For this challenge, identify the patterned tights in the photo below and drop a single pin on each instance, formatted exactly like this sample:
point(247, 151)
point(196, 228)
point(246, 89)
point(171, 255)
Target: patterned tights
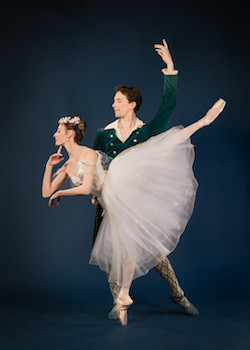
point(165, 269)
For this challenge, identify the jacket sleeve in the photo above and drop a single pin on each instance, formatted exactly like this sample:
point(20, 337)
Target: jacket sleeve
point(98, 143)
point(166, 108)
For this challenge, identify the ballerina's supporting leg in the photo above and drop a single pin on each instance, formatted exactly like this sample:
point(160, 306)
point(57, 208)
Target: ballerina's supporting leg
point(211, 115)
point(123, 299)
point(128, 272)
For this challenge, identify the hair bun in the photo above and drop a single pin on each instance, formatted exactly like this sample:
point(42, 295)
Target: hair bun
point(82, 127)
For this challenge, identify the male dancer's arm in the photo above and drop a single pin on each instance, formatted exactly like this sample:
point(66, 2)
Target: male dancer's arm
point(98, 143)
point(168, 102)
point(164, 111)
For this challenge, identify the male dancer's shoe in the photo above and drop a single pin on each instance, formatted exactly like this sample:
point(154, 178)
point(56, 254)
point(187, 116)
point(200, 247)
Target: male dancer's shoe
point(113, 313)
point(189, 310)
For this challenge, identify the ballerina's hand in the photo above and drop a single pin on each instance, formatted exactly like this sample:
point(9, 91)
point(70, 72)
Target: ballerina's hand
point(55, 196)
point(55, 159)
point(164, 52)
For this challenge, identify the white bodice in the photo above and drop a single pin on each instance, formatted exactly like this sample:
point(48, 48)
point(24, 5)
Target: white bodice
point(84, 167)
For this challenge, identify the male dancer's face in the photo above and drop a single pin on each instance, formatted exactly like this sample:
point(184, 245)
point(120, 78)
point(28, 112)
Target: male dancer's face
point(122, 106)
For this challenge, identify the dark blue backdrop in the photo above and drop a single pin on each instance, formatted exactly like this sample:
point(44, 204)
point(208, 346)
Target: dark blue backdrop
point(65, 59)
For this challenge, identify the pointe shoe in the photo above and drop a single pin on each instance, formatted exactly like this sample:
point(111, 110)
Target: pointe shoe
point(122, 314)
point(213, 112)
point(122, 311)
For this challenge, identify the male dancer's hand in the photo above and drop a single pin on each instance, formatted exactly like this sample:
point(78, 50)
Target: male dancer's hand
point(164, 52)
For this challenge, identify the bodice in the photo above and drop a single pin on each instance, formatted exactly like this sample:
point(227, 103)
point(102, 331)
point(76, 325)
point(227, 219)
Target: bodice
point(98, 169)
point(82, 168)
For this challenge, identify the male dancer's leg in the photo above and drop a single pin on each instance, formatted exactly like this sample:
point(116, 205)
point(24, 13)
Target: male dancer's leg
point(166, 271)
point(98, 218)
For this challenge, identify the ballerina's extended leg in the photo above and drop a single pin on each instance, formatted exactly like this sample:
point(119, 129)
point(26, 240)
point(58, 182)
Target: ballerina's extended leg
point(210, 116)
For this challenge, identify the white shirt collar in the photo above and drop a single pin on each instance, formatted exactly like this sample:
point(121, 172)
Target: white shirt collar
point(114, 125)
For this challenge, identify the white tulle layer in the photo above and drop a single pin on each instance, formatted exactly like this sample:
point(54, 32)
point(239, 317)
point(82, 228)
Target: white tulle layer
point(148, 196)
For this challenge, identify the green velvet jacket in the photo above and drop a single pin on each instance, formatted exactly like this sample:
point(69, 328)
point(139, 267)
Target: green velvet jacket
point(107, 141)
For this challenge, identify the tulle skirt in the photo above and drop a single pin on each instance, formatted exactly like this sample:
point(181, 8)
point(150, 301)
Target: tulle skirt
point(148, 197)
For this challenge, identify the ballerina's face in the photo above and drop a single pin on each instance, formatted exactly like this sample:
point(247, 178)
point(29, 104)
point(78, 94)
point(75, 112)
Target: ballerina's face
point(61, 135)
point(121, 105)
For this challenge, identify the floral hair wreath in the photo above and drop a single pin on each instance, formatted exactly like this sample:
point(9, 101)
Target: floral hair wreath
point(74, 120)
point(69, 120)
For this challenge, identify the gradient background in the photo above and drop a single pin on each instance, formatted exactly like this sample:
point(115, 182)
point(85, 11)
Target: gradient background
point(65, 59)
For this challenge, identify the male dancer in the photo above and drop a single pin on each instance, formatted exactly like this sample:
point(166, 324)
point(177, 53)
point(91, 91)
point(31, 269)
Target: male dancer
point(128, 131)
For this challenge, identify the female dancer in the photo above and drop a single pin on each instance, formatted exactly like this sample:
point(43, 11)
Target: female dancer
point(147, 193)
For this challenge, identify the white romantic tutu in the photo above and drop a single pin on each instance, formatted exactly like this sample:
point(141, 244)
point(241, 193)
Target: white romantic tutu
point(148, 197)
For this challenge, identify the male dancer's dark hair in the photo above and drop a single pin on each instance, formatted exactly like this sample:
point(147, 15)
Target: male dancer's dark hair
point(132, 94)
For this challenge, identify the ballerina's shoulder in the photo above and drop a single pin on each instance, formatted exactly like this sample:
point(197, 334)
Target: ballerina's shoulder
point(90, 156)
